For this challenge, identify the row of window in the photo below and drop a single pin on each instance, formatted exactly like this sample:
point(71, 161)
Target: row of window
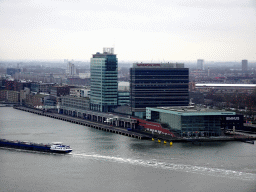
point(150, 83)
point(159, 77)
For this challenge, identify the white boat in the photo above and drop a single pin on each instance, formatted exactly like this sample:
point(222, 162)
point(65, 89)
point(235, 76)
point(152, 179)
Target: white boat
point(58, 147)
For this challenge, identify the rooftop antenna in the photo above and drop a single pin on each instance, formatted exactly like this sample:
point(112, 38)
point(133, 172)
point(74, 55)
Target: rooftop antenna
point(114, 43)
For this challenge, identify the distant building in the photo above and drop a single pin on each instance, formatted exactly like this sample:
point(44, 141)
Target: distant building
point(9, 84)
point(104, 81)
point(58, 91)
point(79, 92)
point(12, 71)
point(23, 94)
point(225, 88)
point(14, 85)
point(85, 92)
point(244, 65)
point(50, 101)
point(156, 85)
point(35, 100)
point(73, 102)
point(124, 86)
point(196, 97)
point(71, 69)
point(34, 87)
point(77, 81)
point(84, 75)
point(41, 87)
point(9, 96)
point(200, 64)
point(123, 93)
point(20, 85)
point(123, 98)
point(74, 106)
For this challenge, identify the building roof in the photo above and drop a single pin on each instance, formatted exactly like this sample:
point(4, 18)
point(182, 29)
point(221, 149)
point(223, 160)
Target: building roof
point(158, 65)
point(225, 85)
point(191, 111)
point(41, 95)
point(75, 97)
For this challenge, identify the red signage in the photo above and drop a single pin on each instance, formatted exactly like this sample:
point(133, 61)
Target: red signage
point(147, 65)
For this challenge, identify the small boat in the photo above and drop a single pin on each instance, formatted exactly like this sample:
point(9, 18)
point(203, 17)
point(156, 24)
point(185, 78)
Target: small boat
point(58, 147)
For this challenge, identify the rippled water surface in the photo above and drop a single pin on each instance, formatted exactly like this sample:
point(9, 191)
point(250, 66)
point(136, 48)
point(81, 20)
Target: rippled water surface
point(103, 161)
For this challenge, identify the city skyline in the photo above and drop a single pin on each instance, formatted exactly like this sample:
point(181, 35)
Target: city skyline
point(147, 30)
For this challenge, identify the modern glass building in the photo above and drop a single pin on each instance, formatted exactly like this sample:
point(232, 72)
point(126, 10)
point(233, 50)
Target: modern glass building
point(189, 121)
point(156, 85)
point(104, 82)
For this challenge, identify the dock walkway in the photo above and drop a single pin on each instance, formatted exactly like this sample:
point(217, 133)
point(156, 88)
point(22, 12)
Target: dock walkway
point(138, 135)
point(87, 123)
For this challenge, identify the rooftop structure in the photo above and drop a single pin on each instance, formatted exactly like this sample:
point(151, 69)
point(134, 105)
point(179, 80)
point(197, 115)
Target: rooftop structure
point(191, 110)
point(225, 87)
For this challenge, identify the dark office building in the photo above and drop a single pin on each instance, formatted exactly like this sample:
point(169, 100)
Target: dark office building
point(34, 87)
point(19, 85)
point(158, 85)
point(9, 85)
point(58, 91)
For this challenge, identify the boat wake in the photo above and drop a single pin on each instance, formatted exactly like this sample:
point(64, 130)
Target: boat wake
point(177, 167)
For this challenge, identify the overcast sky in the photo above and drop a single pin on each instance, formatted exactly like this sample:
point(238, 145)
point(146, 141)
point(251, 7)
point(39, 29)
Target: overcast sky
point(139, 30)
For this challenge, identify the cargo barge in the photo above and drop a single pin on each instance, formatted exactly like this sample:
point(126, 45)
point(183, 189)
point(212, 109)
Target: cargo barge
point(56, 147)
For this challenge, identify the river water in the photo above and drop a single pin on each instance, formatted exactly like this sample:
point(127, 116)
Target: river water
point(103, 161)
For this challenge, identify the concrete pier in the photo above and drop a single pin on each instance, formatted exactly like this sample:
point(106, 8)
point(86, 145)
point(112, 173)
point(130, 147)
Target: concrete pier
point(88, 123)
point(97, 123)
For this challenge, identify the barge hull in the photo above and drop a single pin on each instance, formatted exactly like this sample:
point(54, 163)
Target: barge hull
point(29, 146)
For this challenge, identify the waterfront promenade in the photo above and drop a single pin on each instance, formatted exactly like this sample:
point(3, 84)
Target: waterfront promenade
point(139, 135)
point(87, 123)
point(99, 159)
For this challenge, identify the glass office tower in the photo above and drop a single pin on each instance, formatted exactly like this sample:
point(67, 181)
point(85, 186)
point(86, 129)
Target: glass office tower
point(156, 85)
point(104, 82)
point(190, 121)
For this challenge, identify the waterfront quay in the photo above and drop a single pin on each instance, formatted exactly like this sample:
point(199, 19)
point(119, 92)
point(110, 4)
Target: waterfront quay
point(85, 122)
point(93, 123)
